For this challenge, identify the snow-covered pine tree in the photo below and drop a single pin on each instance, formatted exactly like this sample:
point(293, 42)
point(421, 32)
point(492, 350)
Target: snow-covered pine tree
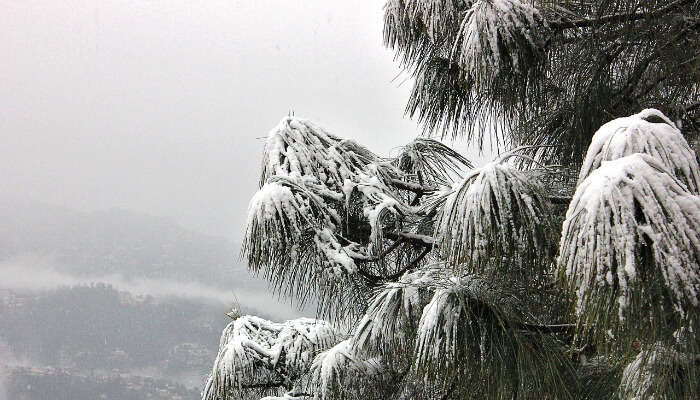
point(435, 279)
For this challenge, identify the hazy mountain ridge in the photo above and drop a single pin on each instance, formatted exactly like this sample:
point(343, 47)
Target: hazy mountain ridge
point(104, 303)
point(117, 242)
point(97, 327)
point(25, 383)
point(97, 342)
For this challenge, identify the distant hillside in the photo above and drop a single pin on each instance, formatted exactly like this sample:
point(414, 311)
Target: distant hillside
point(114, 304)
point(98, 327)
point(95, 339)
point(118, 242)
point(57, 384)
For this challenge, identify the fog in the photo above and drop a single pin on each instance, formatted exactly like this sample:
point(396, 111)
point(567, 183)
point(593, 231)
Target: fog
point(160, 106)
point(36, 274)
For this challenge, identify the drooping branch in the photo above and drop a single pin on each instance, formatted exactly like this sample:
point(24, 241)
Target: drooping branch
point(255, 353)
point(375, 280)
point(496, 221)
point(413, 264)
point(266, 385)
point(414, 238)
point(341, 370)
point(629, 250)
point(469, 330)
point(617, 18)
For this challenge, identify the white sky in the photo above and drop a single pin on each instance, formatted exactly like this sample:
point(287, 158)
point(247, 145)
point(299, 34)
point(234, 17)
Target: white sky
point(158, 106)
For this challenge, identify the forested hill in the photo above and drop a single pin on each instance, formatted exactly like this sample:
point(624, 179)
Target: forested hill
point(114, 304)
point(94, 337)
point(117, 242)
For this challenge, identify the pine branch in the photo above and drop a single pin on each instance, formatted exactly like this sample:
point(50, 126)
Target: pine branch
point(624, 94)
point(374, 280)
point(266, 385)
point(420, 189)
point(449, 391)
point(410, 266)
point(615, 18)
point(413, 187)
point(415, 238)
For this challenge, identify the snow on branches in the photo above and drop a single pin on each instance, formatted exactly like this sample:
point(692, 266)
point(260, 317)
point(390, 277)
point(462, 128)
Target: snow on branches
point(311, 181)
point(300, 149)
point(285, 214)
point(630, 244)
point(443, 282)
point(405, 17)
point(389, 324)
point(660, 373)
point(648, 132)
point(472, 331)
point(443, 327)
point(496, 218)
point(498, 34)
point(482, 36)
point(255, 352)
point(319, 220)
point(340, 370)
point(632, 235)
point(430, 160)
point(448, 322)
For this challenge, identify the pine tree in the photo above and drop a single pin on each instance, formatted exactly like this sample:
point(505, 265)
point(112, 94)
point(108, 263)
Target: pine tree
point(434, 279)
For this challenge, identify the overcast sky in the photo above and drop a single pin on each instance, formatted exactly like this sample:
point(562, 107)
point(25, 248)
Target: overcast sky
point(159, 106)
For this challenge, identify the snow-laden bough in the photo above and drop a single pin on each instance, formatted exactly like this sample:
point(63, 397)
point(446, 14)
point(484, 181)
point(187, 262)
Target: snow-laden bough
point(253, 350)
point(341, 370)
point(469, 327)
point(311, 183)
point(630, 247)
point(390, 322)
point(496, 220)
point(648, 132)
point(660, 373)
point(499, 34)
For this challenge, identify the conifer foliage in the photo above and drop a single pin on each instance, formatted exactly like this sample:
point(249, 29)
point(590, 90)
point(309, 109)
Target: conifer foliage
point(435, 279)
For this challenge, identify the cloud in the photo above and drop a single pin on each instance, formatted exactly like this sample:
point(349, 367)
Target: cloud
point(30, 273)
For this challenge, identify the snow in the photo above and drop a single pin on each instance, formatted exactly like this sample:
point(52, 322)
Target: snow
point(636, 134)
point(392, 312)
point(644, 377)
point(340, 366)
point(272, 200)
point(479, 220)
point(619, 207)
point(446, 323)
point(309, 177)
point(337, 256)
point(490, 26)
point(252, 347)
